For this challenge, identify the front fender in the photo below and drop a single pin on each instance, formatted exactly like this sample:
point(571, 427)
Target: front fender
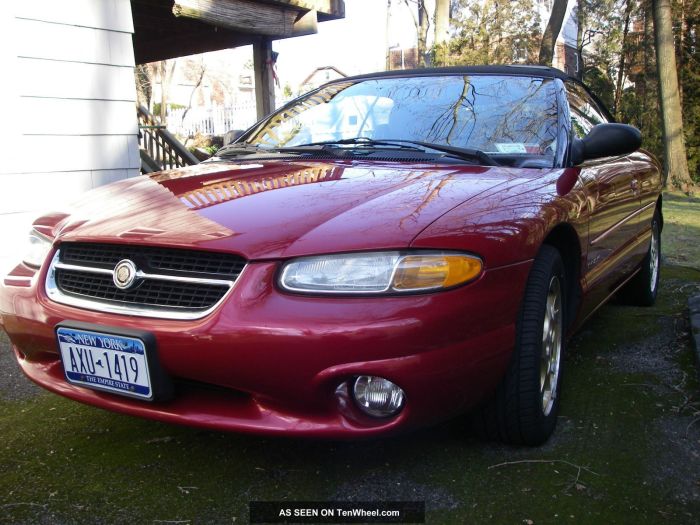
point(509, 224)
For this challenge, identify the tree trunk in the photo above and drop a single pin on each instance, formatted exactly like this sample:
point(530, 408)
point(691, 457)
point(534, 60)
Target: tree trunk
point(144, 85)
point(648, 73)
point(442, 21)
point(623, 56)
point(166, 77)
point(163, 91)
point(200, 79)
point(675, 162)
point(681, 48)
point(386, 35)
point(423, 23)
point(442, 30)
point(580, 24)
point(551, 32)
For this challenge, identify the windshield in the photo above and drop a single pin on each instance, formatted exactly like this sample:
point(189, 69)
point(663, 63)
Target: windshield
point(501, 115)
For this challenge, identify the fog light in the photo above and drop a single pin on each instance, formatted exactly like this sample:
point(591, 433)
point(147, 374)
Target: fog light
point(377, 396)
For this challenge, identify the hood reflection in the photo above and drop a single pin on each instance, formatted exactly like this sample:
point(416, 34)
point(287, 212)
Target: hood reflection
point(219, 191)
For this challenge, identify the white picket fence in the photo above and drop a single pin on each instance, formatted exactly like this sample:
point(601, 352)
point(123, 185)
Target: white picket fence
point(213, 121)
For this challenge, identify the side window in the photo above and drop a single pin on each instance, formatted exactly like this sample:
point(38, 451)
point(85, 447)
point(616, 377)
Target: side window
point(584, 111)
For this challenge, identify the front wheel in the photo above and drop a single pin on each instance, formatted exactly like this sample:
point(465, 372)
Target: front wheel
point(524, 409)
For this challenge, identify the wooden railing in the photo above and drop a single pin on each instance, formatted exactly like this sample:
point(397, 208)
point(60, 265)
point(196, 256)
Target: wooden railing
point(160, 146)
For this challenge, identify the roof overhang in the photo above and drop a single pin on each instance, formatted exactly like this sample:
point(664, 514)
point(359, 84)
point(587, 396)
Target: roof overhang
point(172, 28)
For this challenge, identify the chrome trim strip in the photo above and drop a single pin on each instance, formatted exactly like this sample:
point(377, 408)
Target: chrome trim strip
point(165, 312)
point(181, 279)
point(87, 269)
point(620, 223)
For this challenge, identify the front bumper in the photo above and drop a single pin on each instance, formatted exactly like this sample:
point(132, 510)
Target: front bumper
point(275, 363)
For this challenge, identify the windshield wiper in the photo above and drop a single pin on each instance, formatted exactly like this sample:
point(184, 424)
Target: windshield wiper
point(245, 148)
point(326, 146)
point(363, 141)
point(454, 151)
point(469, 153)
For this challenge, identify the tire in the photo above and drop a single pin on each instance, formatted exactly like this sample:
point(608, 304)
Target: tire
point(524, 409)
point(644, 287)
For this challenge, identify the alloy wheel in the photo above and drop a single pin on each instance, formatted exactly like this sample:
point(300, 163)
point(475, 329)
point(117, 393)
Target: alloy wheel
point(654, 259)
point(551, 346)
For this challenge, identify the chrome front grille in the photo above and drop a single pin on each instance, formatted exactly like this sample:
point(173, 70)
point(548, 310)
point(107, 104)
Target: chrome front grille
point(169, 283)
point(153, 259)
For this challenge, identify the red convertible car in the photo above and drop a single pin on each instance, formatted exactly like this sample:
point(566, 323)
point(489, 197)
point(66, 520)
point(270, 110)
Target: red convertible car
point(383, 253)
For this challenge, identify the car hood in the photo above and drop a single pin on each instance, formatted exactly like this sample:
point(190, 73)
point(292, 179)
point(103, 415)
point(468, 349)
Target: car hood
point(277, 209)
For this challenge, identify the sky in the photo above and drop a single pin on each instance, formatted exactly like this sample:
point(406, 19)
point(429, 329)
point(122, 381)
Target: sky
point(355, 44)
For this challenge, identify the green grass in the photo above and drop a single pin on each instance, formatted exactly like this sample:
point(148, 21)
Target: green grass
point(681, 235)
point(630, 378)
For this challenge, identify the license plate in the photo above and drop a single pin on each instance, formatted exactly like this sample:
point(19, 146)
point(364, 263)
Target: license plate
point(109, 362)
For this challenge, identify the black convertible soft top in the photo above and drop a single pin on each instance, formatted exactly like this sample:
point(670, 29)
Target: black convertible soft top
point(519, 70)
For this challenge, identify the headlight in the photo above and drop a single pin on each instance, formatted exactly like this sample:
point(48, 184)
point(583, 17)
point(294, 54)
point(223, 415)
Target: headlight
point(38, 249)
point(379, 272)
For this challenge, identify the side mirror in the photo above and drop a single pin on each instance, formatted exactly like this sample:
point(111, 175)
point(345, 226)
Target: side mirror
point(606, 140)
point(232, 136)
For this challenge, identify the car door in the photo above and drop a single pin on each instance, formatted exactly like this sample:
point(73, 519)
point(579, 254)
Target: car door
point(613, 191)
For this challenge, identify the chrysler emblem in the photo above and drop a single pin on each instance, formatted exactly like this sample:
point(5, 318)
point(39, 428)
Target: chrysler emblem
point(124, 274)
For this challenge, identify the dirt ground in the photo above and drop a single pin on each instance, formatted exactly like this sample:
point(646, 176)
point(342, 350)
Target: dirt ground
point(626, 449)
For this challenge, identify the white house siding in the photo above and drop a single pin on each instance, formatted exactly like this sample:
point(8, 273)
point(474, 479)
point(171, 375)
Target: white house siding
point(68, 99)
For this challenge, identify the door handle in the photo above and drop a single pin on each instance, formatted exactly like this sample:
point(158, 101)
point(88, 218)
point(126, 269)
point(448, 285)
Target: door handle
point(635, 185)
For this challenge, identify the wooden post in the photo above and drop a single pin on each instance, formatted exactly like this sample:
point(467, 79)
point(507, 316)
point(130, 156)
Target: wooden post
point(264, 81)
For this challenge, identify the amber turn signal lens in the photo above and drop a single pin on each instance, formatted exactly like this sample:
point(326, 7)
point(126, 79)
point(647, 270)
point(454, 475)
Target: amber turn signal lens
point(433, 271)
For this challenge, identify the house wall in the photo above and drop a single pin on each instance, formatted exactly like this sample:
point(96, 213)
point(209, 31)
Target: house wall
point(320, 77)
point(68, 95)
point(565, 52)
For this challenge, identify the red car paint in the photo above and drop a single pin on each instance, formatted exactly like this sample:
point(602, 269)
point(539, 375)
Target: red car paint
point(267, 361)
